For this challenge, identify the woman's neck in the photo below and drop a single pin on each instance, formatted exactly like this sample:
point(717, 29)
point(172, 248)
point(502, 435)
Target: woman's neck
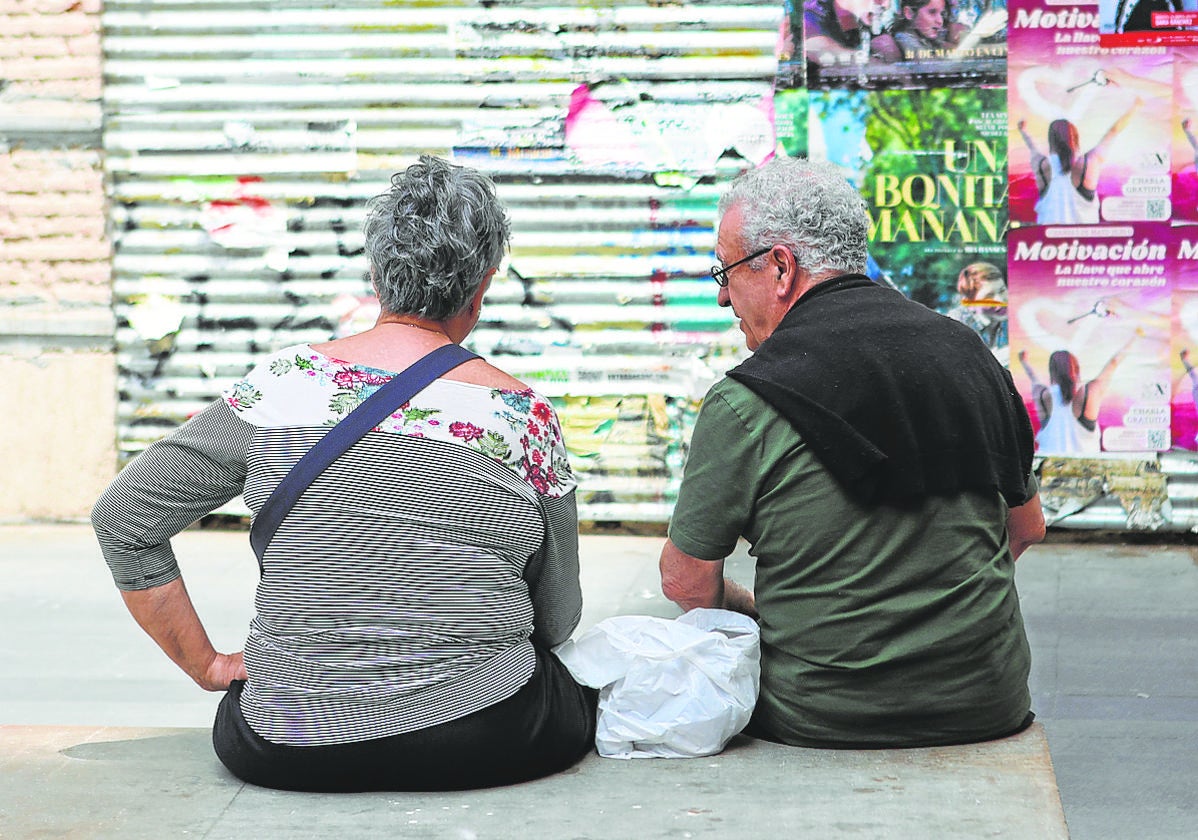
point(393, 343)
point(413, 322)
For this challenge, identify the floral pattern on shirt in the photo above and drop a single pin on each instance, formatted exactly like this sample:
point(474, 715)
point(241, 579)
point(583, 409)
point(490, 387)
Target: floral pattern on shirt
point(354, 384)
point(489, 443)
point(543, 463)
point(243, 395)
point(518, 429)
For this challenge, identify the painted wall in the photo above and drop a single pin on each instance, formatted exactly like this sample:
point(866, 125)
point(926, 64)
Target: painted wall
point(56, 325)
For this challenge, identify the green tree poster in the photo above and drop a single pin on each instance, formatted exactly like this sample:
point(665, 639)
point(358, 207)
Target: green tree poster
point(932, 168)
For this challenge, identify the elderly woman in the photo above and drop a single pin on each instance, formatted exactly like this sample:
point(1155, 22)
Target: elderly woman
point(409, 599)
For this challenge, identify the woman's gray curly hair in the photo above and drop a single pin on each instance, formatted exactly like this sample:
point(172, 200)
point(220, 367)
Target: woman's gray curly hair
point(807, 206)
point(432, 238)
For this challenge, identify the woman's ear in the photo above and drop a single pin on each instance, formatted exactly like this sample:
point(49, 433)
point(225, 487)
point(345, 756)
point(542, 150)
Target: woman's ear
point(477, 301)
point(486, 284)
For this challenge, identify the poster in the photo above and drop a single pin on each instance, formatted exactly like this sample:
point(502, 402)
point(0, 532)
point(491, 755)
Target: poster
point(1137, 23)
point(879, 44)
point(1099, 120)
point(790, 92)
point(1090, 335)
point(931, 166)
point(791, 113)
point(1185, 135)
point(1184, 356)
point(790, 73)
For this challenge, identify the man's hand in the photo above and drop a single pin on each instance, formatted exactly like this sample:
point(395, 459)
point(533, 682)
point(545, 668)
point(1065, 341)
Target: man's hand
point(739, 599)
point(690, 582)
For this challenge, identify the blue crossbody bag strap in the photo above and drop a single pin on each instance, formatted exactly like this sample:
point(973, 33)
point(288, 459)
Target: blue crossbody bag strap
point(374, 410)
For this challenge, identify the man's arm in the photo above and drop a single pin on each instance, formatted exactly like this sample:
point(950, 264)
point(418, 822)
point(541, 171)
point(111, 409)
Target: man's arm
point(711, 511)
point(1025, 526)
point(690, 582)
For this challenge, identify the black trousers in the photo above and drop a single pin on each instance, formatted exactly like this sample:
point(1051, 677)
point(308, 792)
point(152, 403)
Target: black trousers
point(546, 726)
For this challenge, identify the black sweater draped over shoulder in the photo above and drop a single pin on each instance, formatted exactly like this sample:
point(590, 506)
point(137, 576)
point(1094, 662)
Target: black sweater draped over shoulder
point(897, 401)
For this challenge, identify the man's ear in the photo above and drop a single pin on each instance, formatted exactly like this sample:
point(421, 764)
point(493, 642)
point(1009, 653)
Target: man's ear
point(783, 263)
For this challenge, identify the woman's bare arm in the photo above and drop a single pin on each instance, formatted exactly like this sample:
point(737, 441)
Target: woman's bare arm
point(169, 618)
point(1102, 149)
point(1096, 388)
point(1038, 160)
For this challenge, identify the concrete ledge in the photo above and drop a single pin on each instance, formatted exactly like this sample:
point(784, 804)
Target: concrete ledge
point(130, 783)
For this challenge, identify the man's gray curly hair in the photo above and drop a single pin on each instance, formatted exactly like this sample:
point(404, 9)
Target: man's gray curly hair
point(432, 238)
point(807, 206)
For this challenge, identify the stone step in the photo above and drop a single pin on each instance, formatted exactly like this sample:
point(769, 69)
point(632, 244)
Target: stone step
point(157, 783)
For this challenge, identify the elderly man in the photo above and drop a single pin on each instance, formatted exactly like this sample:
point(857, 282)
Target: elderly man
point(877, 459)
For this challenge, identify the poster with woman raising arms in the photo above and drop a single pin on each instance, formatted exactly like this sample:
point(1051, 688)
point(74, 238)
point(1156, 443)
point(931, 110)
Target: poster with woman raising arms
point(1090, 137)
point(1089, 334)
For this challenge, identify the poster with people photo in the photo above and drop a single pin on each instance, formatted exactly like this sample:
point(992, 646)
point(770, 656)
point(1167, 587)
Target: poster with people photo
point(1090, 128)
point(790, 73)
point(790, 91)
point(931, 166)
point(878, 44)
point(1090, 337)
point(1139, 23)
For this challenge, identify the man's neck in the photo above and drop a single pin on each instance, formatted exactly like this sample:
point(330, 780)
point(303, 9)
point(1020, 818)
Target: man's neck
point(813, 280)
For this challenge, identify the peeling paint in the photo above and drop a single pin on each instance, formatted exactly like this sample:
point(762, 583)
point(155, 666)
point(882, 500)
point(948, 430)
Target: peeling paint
point(1071, 485)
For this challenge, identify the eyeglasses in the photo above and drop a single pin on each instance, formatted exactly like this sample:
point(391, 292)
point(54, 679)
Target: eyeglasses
point(719, 273)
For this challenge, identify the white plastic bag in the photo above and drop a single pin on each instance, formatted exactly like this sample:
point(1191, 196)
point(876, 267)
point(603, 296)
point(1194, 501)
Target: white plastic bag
point(671, 688)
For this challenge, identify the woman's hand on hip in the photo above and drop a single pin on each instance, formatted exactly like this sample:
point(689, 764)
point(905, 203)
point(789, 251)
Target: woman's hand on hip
point(223, 669)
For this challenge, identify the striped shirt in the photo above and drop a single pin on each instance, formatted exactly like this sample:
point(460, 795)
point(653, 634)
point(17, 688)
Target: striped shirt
point(406, 586)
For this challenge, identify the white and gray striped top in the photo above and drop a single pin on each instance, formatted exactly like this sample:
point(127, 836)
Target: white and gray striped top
point(403, 589)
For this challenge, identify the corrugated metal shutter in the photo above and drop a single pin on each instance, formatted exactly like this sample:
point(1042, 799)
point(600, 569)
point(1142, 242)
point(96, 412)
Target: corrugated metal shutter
point(243, 138)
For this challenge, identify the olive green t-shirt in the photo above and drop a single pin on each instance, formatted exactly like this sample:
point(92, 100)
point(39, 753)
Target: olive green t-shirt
point(880, 626)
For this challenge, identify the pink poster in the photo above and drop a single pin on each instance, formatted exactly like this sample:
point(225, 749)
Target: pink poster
point(1090, 336)
point(1091, 137)
point(1184, 358)
point(1185, 134)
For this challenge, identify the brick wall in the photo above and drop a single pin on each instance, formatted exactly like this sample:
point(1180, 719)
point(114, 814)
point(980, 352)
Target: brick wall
point(57, 376)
